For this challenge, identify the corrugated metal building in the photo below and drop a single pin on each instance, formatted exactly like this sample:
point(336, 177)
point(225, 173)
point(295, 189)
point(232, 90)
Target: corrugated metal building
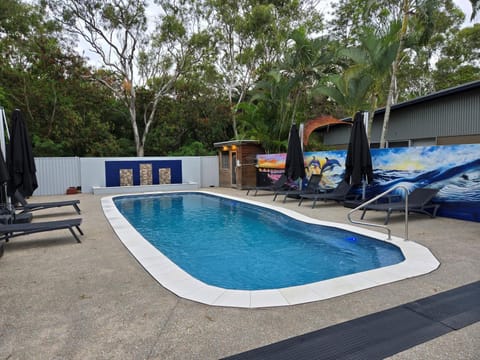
point(450, 116)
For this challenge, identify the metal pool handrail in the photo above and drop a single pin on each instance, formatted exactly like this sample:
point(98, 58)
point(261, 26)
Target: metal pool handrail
point(404, 188)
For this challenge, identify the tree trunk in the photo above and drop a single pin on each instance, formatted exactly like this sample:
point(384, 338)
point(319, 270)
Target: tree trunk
point(133, 121)
point(140, 150)
point(371, 115)
point(403, 31)
point(234, 124)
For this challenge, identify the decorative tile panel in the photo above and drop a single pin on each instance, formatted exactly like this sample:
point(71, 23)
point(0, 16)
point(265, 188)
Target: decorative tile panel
point(145, 174)
point(126, 177)
point(165, 176)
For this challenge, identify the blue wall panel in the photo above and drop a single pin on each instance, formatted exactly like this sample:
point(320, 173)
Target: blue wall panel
point(112, 170)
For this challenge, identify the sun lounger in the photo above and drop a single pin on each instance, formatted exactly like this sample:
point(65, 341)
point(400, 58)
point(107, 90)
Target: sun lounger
point(338, 194)
point(13, 230)
point(25, 206)
point(277, 185)
point(311, 188)
point(419, 200)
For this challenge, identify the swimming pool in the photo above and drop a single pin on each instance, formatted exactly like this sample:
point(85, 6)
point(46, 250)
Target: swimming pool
point(184, 279)
point(233, 245)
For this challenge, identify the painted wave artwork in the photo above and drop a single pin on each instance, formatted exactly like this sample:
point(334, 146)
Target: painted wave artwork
point(453, 169)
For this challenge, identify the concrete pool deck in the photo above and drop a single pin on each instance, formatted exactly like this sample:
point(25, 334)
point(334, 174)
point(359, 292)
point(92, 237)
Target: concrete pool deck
point(93, 300)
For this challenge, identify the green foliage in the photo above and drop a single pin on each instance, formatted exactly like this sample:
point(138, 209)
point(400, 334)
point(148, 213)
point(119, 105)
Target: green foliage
point(460, 62)
point(282, 95)
point(3, 97)
point(257, 122)
point(195, 148)
point(349, 90)
point(46, 147)
point(431, 25)
point(213, 70)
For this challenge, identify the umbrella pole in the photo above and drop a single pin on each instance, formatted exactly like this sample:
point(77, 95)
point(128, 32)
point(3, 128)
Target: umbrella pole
point(364, 188)
point(3, 127)
point(8, 202)
point(4, 131)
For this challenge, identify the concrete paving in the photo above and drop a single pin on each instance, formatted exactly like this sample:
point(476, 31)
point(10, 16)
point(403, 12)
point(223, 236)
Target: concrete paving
point(63, 300)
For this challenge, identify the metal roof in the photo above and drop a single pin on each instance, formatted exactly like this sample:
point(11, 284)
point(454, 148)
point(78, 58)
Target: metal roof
point(433, 96)
point(235, 142)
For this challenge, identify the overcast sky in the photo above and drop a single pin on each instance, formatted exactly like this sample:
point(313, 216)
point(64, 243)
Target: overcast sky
point(466, 6)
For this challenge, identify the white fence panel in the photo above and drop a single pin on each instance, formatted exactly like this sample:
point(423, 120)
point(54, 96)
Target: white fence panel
point(56, 174)
point(210, 171)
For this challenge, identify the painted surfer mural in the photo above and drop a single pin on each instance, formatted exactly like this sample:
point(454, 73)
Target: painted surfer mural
point(453, 169)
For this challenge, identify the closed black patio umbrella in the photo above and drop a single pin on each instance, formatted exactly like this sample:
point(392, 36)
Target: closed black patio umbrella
point(358, 164)
point(294, 165)
point(20, 161)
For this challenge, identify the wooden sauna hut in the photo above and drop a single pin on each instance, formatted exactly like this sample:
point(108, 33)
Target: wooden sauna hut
point(237, 162)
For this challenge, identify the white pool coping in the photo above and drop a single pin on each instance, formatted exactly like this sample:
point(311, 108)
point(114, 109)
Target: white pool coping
point(418, 261)
point(105, 190)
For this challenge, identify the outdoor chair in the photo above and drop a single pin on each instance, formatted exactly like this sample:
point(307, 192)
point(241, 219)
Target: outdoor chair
point(9, 231)
point(277, 185)
point(24, 206)
point(338, 194)
point(311, 188)
point(419, 200)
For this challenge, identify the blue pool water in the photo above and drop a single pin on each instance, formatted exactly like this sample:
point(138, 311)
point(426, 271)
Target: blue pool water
point(235, 245)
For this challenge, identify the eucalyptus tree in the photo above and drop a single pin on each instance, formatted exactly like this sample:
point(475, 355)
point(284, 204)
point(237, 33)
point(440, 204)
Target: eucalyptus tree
point(459, 60)
point(418, 39)
point(132, 53)
point(417, 26)
point(42, 75)
point(425, 44)
point(351, 17)
point(250, 37)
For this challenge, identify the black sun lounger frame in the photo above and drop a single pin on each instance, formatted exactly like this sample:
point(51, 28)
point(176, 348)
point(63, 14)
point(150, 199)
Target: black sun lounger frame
point(277, 185)
point(419, 201)
point(311, 188)
point(13, 230)
point(339, 194)
point(23, 206)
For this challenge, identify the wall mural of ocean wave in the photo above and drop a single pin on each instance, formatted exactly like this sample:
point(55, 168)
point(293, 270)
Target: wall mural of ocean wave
point(453, 169)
